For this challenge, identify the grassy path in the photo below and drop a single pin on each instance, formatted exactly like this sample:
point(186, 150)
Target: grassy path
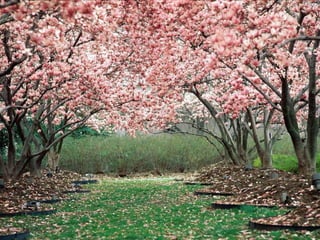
point(146, 209)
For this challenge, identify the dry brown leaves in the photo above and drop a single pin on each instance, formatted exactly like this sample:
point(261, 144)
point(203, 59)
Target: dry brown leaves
point(266, 187)
point(16, 194)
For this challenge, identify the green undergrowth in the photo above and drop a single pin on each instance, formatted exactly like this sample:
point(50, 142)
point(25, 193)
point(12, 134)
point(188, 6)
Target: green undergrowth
point(161, 153)
point(126, 155)
point(285, 162)
point(155, 208)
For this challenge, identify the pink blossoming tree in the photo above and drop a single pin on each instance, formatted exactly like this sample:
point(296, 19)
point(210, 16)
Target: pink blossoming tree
point(270, 46)
point(65, 64)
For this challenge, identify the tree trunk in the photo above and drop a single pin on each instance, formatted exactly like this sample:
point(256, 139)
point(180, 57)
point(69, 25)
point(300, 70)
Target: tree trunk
point(313, 119)
point(53, 159)
point(266, 160)
point(265, 154)
point(305, 149)
point(35, 164)
point(304, 161)
point(35, 168)
point(233, 138)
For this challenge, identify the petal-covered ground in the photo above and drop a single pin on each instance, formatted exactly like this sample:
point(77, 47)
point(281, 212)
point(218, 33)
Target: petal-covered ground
point(29, 195)
point(248, 186)
point(49, 187)
point(267, 187)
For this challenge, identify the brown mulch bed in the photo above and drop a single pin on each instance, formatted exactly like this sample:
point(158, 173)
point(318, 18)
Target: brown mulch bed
point(33, 195)
point(303, 216)
point(16, 194)
point(251, 187)
point(14, 233)
point(266, 187)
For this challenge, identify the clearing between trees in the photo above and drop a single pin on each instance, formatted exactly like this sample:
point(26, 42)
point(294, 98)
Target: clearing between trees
point(153, 207)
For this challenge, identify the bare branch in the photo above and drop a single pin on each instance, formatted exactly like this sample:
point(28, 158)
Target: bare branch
point(301, 38)
point(9, 3)
point(262, 93)
point(75, 43)
point(118, 66)
point(5, 40)
point(266, 81)
point(268, 8)
point(53, 109)
point(12, 65)
point(5, 18)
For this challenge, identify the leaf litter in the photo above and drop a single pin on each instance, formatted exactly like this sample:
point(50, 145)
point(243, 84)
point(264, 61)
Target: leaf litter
point(265, 187)
point(30, 194)
point(254, 186)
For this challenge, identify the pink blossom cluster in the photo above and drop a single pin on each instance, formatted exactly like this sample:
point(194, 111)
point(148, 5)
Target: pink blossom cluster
point(135, 60)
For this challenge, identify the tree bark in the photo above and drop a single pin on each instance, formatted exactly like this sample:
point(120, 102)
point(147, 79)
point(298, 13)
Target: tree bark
point(234, 138)
point(53, 159)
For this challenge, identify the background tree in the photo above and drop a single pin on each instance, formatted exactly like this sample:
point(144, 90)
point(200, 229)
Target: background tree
point(270, 45)
point(62, 63)
point(133, 60)
point(180, 60)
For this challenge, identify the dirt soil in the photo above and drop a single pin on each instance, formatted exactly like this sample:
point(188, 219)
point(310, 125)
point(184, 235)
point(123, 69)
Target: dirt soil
point(265, 187)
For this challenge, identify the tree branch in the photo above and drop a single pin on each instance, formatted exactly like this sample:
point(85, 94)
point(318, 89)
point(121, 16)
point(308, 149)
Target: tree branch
point(5, 18)
point(300, 38)
point(266, 81)
point(9, 3)
point(12, 65)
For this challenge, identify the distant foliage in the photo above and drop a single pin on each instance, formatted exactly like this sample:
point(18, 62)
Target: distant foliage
point(127, 155)
point(87, 131)
point(3, 141)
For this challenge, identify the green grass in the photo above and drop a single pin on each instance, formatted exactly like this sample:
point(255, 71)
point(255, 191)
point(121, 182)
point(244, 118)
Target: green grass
point(285, 162)
point(163, 152)
point(282, 162)
point(114, 154)
point(146, 209)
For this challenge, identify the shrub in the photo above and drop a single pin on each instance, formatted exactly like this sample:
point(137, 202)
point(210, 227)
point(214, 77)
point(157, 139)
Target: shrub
point(125, 155)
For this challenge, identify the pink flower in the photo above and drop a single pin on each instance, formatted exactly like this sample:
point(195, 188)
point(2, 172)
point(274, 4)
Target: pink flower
point(86, 8)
